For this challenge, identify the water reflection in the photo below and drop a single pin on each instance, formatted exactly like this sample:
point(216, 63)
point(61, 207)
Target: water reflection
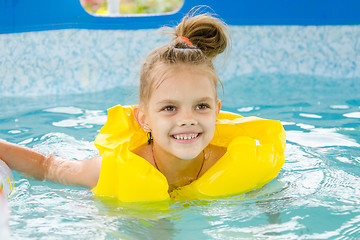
point(320, 137)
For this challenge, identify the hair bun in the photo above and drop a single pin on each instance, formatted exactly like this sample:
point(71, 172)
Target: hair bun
point(205, 32)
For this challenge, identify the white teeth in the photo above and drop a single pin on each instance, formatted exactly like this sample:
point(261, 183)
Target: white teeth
point(185, 137)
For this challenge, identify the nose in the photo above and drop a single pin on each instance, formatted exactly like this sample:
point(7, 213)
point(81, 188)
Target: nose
point(187, 119)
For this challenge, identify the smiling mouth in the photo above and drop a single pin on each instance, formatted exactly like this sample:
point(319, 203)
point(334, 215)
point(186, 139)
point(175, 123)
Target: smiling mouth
point(186, 137)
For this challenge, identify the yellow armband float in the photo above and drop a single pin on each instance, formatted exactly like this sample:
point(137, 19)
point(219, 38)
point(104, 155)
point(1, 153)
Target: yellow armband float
point(255, 155)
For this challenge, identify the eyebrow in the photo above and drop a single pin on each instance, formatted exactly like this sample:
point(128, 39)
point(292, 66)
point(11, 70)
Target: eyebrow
point(205, 99)
point(172, 101)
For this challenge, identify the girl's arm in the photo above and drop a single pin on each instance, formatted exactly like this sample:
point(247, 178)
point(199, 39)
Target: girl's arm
point(49, 167)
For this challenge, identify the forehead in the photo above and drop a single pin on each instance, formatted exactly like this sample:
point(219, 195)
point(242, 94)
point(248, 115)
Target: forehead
point(184, 80)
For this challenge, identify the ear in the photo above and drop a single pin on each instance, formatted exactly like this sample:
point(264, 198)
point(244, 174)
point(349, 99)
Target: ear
point(140, 117)
point(218, 106)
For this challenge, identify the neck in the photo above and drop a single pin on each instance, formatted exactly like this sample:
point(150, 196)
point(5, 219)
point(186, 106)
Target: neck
point(178, 172)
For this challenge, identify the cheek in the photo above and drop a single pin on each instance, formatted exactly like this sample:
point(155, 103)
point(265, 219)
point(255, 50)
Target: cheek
point(159, 127)
point(212, 129)
point(209, 123)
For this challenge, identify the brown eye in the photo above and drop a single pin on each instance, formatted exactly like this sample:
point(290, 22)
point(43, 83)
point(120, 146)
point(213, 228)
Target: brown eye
point(169, 108)
point(202, 106)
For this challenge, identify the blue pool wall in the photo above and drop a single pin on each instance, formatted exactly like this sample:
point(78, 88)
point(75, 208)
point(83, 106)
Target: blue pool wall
point(58, 48)
point(35, 15)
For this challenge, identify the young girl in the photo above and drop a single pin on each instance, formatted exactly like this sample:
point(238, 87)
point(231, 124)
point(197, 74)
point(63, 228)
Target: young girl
point(176, 143)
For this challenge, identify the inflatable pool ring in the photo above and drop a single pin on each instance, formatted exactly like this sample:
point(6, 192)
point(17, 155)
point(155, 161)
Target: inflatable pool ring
point(255, 155)
point(7, 182)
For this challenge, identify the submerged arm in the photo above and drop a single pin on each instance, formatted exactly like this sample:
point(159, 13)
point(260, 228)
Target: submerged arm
point(49, 167)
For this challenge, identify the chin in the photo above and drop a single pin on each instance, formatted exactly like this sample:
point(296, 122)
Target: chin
point(188, 152)
point(187, 155)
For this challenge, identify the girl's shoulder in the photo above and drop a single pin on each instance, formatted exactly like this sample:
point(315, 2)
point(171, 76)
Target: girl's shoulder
point(145, 152)
point(212, 154)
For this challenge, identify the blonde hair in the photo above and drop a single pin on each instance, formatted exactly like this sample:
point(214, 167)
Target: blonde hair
point(208, 37)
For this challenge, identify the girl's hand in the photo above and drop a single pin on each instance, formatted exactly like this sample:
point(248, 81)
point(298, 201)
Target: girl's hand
point(49, 167)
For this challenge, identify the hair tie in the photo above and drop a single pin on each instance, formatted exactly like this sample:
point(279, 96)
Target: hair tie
point(185, 39)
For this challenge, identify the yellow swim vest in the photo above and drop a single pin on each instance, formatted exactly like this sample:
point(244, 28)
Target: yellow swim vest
point(255, 155)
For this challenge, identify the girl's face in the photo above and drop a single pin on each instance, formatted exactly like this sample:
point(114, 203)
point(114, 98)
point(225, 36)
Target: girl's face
point(182, 111)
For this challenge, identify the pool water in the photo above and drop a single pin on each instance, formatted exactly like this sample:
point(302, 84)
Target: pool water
point(316, 194)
